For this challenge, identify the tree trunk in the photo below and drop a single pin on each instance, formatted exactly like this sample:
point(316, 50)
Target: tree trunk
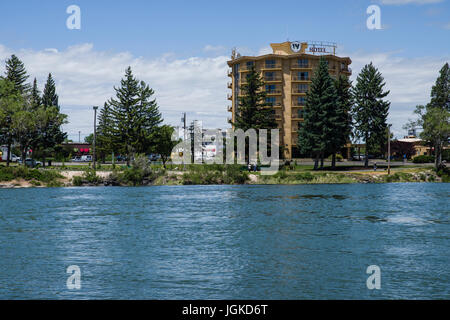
point(333, 161)
point(366, 158)
point(24, 157)
point(8, 154)
point(321, 160)
point(316, 162)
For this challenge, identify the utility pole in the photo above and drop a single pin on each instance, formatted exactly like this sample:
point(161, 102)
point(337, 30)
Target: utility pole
point(95, 132)
point(389, 149)
point(79, 136)
point(184, 138)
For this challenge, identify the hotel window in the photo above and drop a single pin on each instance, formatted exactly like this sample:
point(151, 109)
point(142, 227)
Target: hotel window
point(302, 75)
point(270, 76)
point(270, 63)
point(302, 88)
point(271, 101)
point(250, 64)
point(302, 63)
point(271, 88)
point(301, 113)
point(301, 101)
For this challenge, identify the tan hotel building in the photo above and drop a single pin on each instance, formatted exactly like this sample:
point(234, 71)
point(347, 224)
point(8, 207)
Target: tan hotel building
point(287, 75)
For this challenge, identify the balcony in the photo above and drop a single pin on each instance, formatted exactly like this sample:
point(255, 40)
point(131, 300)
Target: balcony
point(271, 66)
point(297, 65)
point(296, 103)
point(230, 73)
point(229, 109)
point(273, 92)
point(278, 117)
point(229, 120)
point(299, 78)
point(272, 78)
point(246, 68)
point(229, 85)
point(275, 104)
point(229, 96)
point(296, 116)
point(299, 91)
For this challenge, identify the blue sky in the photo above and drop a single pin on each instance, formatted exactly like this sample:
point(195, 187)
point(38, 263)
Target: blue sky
point(154, 36)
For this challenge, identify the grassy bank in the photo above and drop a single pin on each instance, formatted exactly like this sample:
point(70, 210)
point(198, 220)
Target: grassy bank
point(143, 175)
point(17, 175)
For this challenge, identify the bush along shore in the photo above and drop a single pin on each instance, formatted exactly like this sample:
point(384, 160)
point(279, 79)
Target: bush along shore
point(142, 174)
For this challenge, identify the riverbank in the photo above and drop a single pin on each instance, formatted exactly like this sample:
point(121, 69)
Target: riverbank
point(20, 177)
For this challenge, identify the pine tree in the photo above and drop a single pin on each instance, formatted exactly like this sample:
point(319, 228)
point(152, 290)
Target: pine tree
point(51, 133)
point(440, 92)
point(253, 111)
point(17, 74)
point(105, 139)
point(370, 110)
point(50, 98)
point(135, 115)
point(35, 97)
point(343, 125)
point(316, 132)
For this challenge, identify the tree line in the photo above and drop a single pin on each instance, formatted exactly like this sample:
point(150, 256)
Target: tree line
point(28, 119)
point(433, 118)
point(335, 112)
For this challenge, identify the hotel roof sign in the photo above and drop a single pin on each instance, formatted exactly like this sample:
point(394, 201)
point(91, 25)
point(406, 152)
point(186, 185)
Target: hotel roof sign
point(311, 47)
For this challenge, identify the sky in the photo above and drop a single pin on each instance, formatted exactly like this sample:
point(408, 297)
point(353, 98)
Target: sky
point(180, 48)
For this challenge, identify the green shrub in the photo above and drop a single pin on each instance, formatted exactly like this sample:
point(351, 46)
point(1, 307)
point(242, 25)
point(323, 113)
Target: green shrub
point(423, 159)
point(6, 174)
point(91, 176)
point(77, 181)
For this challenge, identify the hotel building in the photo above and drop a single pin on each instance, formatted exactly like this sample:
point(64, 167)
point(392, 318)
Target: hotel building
point(287, 73)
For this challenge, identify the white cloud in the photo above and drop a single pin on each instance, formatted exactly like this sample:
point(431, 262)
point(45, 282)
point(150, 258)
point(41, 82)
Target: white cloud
point(265, 50)
point(85, 77)
point(402, 2)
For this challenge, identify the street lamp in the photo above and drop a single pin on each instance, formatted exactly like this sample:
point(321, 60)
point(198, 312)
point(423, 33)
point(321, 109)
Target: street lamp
point(95, 132)
point(389, 148)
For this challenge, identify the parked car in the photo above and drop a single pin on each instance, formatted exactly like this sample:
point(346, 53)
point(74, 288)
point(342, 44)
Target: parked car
point(29, 162)
point(87, 158)
point(154, 157)
point(76, 159)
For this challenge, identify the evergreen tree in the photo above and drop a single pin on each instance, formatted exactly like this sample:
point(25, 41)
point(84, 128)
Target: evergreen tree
point(343, 126)
point(316, 133)
point(50, 98)
point(370, 110)
point(35, 97)
point(51, 134)
point(135, 115)
point(149, 118)
point(440, 92)
point(253, 111)
point(105, 139)
point(16, 73)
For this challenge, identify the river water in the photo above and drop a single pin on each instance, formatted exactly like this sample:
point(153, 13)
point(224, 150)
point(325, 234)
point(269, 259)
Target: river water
point(226, 242)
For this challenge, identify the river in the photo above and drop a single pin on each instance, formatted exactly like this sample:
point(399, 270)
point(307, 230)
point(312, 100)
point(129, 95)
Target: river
point(226, 242)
